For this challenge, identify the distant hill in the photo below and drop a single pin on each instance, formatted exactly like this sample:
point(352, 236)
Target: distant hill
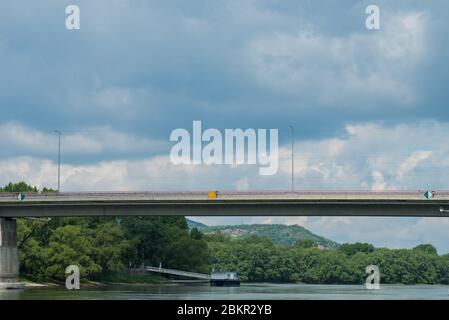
point(193, 224)
point(278, 233)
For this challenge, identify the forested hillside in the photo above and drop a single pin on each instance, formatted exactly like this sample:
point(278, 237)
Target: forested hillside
point(278, 233)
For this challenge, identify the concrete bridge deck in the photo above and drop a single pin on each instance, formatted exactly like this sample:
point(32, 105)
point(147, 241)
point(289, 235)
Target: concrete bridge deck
point(300, 203)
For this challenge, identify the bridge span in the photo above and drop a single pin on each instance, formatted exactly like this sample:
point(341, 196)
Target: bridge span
point(178, 273)
point(300, 203)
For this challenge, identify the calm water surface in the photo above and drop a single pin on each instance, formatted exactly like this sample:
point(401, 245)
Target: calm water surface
point(245, 291)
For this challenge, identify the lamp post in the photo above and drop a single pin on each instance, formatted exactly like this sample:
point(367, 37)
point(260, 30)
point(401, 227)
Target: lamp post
point(59, 159)
point(293, 158)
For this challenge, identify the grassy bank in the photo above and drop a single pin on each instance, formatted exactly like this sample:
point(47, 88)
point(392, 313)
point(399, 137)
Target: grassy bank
point(107, 279)
point(130, 278)
point(31, 281)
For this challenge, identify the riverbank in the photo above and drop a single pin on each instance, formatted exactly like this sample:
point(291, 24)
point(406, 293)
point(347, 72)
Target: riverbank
point(57, 284)
point(150, 279)
point(103, 281)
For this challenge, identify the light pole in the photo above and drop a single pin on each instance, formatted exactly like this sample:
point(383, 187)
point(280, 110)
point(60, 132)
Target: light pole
point(59, 159)
point(293, 158)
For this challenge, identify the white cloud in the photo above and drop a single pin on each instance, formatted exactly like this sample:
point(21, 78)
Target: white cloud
point(369, 157)
point(379, 181)
point(90, 140)
point(354, 70)
point(411, 162)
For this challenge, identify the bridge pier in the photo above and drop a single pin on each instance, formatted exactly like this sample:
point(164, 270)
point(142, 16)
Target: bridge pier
point(9, 260)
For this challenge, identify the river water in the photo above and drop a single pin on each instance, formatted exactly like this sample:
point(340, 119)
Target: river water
point(245, 291)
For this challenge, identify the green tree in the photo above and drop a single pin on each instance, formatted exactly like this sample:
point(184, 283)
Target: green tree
point(196, 234)
point(353, 248)
point(109, 247)
point(18, 187)
point(427, 248)
point(68, 246)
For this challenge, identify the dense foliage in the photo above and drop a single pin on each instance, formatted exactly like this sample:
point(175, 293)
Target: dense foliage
point(257, 259)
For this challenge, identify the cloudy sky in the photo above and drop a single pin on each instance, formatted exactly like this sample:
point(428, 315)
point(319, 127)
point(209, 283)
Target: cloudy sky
point(369, 108)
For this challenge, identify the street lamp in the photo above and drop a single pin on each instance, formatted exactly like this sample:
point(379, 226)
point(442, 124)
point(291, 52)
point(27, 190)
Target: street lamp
point(59, 159)
point(293, 158)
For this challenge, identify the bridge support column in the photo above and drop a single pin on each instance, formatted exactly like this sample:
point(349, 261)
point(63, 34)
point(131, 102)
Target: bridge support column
point(9, 260)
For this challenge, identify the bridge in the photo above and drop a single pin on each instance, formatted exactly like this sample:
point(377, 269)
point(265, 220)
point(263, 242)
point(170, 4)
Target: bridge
point(178, 273)
point(301, 203)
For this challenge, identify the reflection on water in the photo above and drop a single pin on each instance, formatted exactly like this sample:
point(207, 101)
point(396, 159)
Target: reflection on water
point(245, 291)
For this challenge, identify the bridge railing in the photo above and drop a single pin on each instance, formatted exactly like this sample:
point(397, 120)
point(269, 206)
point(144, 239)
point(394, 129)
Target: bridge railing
point(178, 272)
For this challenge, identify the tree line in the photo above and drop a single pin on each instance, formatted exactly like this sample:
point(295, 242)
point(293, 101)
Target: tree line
point(257, 259)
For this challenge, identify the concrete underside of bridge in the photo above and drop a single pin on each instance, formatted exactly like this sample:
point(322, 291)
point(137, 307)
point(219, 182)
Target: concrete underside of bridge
point(9, 261)
point(313, 203)
point(229, 208)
